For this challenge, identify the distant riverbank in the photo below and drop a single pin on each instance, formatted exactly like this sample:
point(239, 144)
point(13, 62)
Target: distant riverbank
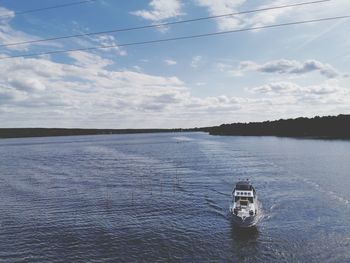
point(46, 132)
point(337, 127)
point(329, 127)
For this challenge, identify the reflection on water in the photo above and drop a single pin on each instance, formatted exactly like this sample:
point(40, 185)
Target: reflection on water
point(165, 198)
point(244, 242)
point(244, 235)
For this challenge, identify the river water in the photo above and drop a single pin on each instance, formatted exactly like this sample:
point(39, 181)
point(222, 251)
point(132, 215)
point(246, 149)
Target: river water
point(165, 198)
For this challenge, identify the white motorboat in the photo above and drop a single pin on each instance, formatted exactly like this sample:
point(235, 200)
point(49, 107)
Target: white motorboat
point(244, 207)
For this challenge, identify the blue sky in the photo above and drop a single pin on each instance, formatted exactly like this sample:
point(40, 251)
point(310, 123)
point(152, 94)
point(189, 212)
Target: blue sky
point(293, 71)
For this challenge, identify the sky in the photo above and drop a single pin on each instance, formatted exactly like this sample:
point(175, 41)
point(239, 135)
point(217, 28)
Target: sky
point(257, 75)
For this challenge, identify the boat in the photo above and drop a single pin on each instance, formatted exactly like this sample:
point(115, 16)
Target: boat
point(244, 207)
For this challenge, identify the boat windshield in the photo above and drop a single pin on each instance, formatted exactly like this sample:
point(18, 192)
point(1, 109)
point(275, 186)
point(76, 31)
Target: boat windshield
point(243, 185)
point(244, 199)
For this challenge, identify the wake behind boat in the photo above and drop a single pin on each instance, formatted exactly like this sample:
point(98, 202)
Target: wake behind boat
point(244, 207)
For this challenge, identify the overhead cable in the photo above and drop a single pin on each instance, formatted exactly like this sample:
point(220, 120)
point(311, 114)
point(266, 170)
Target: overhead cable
point(47, 8)
point(160, 24)
point(177, 38)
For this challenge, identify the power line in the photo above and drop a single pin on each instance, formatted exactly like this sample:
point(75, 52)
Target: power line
point(161, 24)
point(177, 38)
point(48, 8)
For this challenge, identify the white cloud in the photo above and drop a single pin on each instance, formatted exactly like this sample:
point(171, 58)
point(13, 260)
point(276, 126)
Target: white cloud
point(160, 10)
point(27, 84)
point(275, 88)
point(6, 14)
point(86, 59)
point(292, 89)
point(312, 11)
point(108, 40)
point(39, 92)
point(170, 62)
point(284, 66)
point(137, 68)
point(196, 61)
point(8, 34)
point(79, 95)
point(220, 7)
point(8, 95)
point(290, 99)
point(88, 89)
point(268, 17)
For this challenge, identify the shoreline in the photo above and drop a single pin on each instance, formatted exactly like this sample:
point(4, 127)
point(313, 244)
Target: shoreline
point(12, 133)
point(327, 127)
point(132, 131)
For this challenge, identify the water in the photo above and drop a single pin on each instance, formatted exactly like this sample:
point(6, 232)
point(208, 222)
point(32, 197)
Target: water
point(165, 198)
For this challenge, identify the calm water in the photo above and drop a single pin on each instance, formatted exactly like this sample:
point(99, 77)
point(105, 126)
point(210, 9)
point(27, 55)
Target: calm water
point(165, 198)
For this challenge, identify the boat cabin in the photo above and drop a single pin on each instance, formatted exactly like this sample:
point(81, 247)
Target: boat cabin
point(243, 193)
point(244, 185)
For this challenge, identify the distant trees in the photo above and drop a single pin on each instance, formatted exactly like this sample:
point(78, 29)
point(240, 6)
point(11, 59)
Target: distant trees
point(42, 132)
point(328, 126)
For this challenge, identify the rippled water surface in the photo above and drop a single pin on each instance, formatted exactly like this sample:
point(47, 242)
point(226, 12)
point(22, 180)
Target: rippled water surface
point(165, 198)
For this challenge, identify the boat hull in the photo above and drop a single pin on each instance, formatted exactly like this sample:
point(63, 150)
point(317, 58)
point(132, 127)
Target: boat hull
point(246, 222)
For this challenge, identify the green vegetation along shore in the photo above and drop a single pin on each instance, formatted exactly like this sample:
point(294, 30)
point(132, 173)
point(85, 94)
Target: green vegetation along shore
point(317, 127)
point(43, 132)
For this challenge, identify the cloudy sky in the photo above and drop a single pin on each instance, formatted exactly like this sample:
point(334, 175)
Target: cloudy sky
point(300, 70)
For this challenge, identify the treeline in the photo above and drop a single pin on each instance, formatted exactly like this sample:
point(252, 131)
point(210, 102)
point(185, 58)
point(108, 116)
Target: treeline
point(321, 127)
point(42, 132)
